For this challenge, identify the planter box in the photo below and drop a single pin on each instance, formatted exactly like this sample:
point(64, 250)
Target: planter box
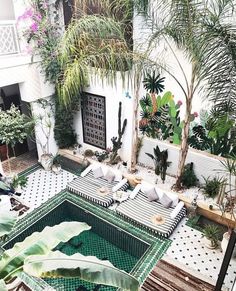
point(205, 164)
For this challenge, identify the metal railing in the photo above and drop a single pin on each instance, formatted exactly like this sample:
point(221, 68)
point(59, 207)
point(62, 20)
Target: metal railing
point(9, 43)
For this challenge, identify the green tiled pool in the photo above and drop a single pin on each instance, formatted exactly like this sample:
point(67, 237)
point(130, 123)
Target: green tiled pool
point(111, 238)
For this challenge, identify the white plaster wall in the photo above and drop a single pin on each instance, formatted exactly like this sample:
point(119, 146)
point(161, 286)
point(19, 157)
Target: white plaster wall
point(161, 53)
point(113, 96)
point(7, 10)
point(204, 164)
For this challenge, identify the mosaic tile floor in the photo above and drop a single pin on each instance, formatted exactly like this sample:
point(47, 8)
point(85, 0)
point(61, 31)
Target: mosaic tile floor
point(188, 248)
point(42, 185)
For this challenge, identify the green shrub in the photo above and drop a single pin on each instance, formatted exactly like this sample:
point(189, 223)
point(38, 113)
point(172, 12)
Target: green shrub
point(88, 153)
point(189, 178)
point(211, 187)
point(63, 131)
point(212, 232)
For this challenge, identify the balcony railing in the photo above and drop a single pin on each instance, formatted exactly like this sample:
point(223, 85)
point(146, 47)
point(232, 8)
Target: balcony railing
point(9, 43)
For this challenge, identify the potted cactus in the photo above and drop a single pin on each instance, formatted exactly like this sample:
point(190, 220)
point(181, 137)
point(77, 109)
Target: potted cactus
point(211, 233)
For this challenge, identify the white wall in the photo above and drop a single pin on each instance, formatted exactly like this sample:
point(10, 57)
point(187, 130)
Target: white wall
point(162, 54)
point(113, 96)
point(7, 10)
point(204, 164)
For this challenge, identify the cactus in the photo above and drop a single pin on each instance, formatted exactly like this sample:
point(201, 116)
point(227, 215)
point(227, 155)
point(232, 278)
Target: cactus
point(160, 160)
point(116, 141)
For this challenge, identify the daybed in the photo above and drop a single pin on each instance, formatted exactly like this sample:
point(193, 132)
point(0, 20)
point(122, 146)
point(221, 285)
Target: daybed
point(143, 212)
point(90, 182)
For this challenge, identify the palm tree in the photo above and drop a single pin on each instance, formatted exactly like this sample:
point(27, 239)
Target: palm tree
point(93, 45)
point(205, 32)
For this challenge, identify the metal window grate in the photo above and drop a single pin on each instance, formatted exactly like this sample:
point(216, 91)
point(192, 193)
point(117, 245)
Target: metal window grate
point(8, 38)
point(94, 120)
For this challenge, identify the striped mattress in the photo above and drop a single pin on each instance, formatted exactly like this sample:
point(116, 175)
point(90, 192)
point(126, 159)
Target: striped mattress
point(140, 211)
point(87, 187)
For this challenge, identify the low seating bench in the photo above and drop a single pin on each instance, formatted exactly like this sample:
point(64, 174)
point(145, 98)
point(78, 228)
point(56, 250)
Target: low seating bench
point(139, 211)
point(87, 187)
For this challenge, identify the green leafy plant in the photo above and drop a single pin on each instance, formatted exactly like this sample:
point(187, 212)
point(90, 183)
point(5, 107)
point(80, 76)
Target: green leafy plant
point(101, 156)
point(160, 159)
point(14, 127)
point(212, 232)
point(88, 153)
point(7, 223)
point(217, 135)
point(163, 123)
point(153, 83)
point(19, 181)
point(188, 178)
point(63, 130)
point(34, 256)
point(211, 187)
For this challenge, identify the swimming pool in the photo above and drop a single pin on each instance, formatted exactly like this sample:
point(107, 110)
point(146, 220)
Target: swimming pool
point(128, 248)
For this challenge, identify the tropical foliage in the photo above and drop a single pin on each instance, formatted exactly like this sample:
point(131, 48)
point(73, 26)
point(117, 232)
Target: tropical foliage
point(216, 133)
point(7, 223)
point(14, 127)
point(205, 33)
point(160, 159)
point(34, 255)
point(163, 122)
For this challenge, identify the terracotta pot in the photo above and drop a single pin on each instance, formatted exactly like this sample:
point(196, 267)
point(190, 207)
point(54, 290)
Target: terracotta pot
point(46, 161)
point(3, 152)
point(224, 243)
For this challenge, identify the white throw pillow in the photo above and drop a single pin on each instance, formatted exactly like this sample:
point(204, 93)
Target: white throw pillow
point(98, 172)
point(118, 175)
point(109, 176)
point(165, 200)
point(152, 195)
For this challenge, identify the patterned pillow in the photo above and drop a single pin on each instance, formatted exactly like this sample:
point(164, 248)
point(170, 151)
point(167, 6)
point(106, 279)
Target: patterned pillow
point(152, 194)
point(109, 176)
point(165, 200)
point(97, 172)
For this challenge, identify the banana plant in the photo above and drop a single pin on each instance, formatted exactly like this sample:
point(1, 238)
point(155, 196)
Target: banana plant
point(7, 223)
point(34, 256)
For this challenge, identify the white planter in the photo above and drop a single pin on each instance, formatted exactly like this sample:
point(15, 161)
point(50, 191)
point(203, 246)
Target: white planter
point(46, 161)
point(208, 243)
point(224, 244)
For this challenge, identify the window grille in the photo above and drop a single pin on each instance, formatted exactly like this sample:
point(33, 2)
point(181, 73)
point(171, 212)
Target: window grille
point(94, 120)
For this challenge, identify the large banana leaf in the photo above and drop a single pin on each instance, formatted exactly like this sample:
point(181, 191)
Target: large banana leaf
point(57, 264)
point(7, 222)
point(40, 243)
point(3, 286)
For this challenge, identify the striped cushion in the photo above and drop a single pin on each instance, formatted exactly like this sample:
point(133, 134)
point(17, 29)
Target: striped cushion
point(140, 211)
point(87, 187)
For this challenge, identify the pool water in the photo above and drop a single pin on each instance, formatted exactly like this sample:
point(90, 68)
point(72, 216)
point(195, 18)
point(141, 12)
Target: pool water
point(104, 240)
point(89, 243)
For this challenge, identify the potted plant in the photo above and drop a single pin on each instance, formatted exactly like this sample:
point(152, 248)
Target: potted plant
point(56, 167)
point(212, 186)
point(14, 127)
point(211, 232)
point(19, 182)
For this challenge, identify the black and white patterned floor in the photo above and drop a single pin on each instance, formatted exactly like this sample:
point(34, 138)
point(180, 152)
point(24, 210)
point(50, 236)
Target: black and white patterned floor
point(43, 185)
point(188, 248)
